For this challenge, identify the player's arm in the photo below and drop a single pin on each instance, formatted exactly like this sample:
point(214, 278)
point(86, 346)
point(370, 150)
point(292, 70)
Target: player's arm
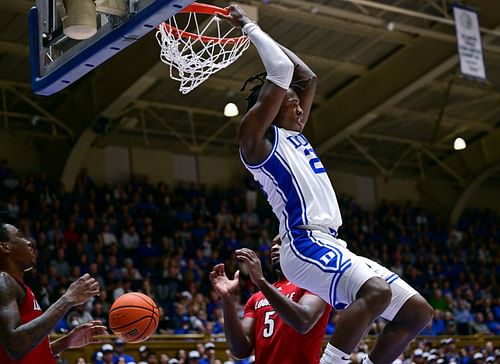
point(19, 339)
point(302, 315)
point(239, 333)
point(305, 81)
point(279, 69)
point(81, 335)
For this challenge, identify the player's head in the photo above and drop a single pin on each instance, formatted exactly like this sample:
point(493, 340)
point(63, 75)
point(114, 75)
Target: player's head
point(290, 115)
point(15, 249)
point(275, 254)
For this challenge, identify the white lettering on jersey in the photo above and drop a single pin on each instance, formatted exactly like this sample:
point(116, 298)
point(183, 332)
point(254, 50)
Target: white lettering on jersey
point(264, 302)
point(327, 257)
point(36, 306)
point(296, 184)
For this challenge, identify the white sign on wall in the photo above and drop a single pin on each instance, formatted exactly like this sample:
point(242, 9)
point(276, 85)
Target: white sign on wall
point(116, 164)
point(185, 168)
point(470, 47)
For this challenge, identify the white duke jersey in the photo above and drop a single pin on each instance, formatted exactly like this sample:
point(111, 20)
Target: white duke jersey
point(296, 184)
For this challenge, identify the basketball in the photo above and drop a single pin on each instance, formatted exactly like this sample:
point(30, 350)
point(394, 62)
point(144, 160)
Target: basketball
point(134, 316)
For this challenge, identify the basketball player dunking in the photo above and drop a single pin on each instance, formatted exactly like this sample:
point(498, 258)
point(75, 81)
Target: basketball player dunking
point(24, 329)
point(297, 187)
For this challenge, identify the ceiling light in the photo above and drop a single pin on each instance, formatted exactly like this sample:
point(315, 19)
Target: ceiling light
point(231, 110)
point(459, 144)
point(35, 119)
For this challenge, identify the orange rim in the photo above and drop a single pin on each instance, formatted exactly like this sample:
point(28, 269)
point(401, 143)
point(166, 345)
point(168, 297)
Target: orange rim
point(202, 9)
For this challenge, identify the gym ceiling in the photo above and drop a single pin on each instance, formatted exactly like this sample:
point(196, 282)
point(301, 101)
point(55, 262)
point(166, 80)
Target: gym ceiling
point(390, 98)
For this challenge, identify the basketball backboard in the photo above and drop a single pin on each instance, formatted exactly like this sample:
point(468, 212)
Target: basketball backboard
point(57, 60)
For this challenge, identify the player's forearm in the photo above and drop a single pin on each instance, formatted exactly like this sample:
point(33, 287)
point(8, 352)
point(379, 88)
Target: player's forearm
point(59, 345)
point(237, 340)
point(27, 336)
point(301, 70)
point(278, 66)
point(294, 314)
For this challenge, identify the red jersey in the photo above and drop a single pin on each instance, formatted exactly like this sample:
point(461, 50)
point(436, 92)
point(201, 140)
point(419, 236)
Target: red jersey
point(29, 310)
point(275, 341)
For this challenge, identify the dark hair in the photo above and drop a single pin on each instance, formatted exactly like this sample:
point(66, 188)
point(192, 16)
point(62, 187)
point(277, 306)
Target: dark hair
point(4, 221)
point(297, 86)
point(254, 91)
point(4, 233)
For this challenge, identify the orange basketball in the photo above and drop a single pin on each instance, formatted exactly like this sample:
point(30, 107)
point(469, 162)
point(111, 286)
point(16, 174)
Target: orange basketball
point(134, 316)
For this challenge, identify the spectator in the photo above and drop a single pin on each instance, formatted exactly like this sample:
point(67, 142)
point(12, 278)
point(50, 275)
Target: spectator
point(130, 239)
point(107, 237)
point(194, 357)
point(120, 352)
point(438, 301)
point(493, 324)
point(463, 317)
point(479, 326)
point(107, 354)
point(194, 227)
point(143, 353)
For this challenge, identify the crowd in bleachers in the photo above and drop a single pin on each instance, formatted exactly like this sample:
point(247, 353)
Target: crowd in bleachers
point(163, 241)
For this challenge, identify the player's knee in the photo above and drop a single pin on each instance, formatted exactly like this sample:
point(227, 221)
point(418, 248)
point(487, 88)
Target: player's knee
point(423, 312)
point(377, 293)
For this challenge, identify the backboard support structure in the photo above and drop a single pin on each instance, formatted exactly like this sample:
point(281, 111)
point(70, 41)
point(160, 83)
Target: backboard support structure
point(57, 61)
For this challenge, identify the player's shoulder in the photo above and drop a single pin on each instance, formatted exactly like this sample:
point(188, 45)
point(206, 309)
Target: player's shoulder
point(288, 287)
point(286, 284)
point(255, 297)
point(6, 280)
point(9, 287)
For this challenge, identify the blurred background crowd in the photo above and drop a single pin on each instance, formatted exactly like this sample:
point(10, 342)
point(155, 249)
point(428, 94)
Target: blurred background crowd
point(163, 240)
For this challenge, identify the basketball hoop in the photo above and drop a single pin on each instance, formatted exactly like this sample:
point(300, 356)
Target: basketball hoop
point(194, 55)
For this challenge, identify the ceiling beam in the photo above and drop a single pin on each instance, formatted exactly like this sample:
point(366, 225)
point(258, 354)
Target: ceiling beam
point(471, 90)
point(400, 140)
point(20, 92)
point(330, 18)
point(17, 6)
point(491, 50)
point(449, 121)
point(355, 125)
point(14, 48)
point(368, 156)
point(160, 105)
point(156, 132)
point(380, 27)
point(394, 81)
point(444, 166)
point(416, 14)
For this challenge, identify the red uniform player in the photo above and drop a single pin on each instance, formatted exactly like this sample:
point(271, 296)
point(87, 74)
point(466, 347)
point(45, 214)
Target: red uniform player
point(282, 323)
point(275, 341)
point(24, 329)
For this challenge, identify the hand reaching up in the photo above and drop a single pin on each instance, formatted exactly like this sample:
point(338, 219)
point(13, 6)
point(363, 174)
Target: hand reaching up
point(225, 287)
point(82, 290)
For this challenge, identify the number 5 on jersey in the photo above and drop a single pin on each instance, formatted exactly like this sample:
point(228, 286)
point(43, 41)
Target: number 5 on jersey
point(268, 324)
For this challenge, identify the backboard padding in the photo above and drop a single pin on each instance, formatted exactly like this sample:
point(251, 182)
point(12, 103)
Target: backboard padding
point(86, 55)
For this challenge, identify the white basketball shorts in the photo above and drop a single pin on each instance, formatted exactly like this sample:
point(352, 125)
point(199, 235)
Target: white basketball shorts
point(322, 264)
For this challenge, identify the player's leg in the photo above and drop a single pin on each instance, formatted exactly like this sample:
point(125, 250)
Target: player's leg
point(323, 265)
point(371, 300)
point(408, 313)
point(366, 295)
point(398, 333)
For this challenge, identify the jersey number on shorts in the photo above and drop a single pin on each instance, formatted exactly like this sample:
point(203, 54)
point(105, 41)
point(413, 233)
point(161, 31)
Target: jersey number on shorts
point(268, 324)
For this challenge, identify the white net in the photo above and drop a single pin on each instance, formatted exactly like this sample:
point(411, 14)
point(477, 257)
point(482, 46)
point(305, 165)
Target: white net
point(193, 55)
